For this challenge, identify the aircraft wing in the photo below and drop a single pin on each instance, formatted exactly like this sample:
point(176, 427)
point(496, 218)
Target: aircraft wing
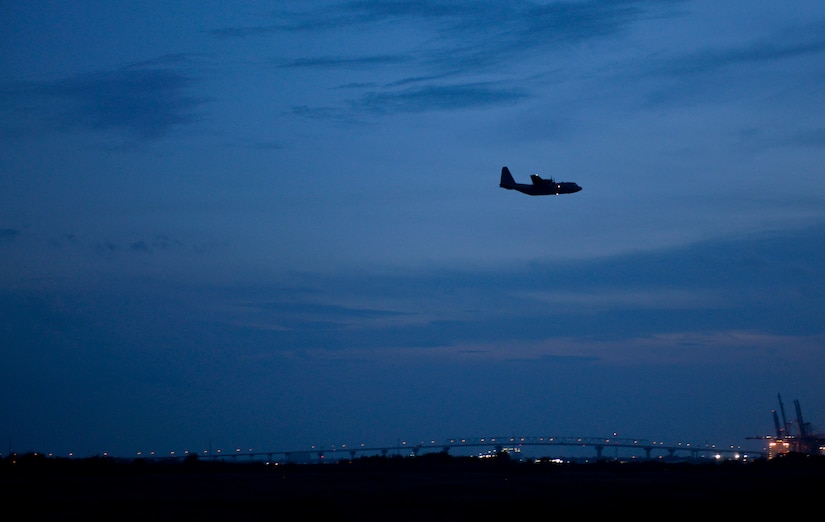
point(536, 179)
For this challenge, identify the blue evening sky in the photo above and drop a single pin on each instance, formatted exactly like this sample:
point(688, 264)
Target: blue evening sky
point(277, 225)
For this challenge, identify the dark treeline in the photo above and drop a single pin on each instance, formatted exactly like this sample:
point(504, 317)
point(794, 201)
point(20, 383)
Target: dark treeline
point(433, 486)
point(39, 462)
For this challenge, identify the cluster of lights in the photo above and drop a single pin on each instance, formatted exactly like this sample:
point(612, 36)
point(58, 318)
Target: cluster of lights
point(491, 454)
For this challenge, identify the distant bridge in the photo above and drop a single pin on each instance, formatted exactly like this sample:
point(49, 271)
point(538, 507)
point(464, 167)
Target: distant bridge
point(497, 444)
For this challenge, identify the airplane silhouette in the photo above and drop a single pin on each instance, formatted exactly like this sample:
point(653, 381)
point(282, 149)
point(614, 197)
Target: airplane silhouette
point(540, 187)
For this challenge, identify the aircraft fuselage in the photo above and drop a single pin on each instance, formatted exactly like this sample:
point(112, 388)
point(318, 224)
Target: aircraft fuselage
point(539, 187)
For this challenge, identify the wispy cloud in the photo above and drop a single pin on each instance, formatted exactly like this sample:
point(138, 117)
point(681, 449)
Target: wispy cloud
point(142, 101)
point(8, 233)
point(498, 31)
point(457, 39)
point(330, 62)
point(440, 97)
point(522, 19)
point(755, 53)
point(767, 285)
point(811, 138)
point(717, 71)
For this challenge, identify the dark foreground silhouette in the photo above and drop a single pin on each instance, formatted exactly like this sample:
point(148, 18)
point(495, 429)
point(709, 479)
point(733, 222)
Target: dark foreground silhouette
point(427, 487)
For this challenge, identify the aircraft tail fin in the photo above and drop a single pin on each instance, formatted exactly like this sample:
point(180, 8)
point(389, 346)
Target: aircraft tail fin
point(507, 180)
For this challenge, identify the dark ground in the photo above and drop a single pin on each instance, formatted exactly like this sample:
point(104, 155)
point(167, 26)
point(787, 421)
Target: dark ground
point(434, 487)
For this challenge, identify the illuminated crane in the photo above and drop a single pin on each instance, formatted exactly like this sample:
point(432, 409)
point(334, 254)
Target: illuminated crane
point(804, 439)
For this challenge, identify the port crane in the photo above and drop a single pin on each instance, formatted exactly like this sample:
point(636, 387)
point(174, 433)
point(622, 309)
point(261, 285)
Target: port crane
point(805, 438)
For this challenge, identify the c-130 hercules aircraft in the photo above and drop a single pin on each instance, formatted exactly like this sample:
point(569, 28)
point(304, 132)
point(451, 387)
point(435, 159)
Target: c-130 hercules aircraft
point(540, 187)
